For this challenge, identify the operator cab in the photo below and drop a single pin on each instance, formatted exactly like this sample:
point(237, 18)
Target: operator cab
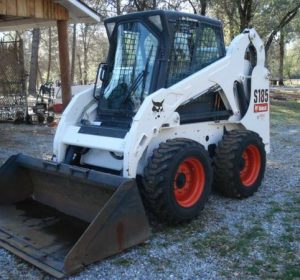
point(131, 69)
point(148, 51)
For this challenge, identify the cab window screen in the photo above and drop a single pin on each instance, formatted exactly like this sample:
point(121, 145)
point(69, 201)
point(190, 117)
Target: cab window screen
point(195, 46)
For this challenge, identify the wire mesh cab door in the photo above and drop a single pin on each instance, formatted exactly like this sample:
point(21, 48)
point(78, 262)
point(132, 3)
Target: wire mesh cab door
point(195, 45)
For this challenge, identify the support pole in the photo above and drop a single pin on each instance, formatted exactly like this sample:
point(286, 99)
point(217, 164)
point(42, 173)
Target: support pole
point(64, 61)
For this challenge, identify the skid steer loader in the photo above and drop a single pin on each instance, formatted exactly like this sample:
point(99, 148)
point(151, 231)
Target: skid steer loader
point(172, 113)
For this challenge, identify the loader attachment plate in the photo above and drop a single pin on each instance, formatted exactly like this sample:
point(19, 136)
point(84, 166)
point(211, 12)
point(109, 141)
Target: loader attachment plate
point(61, 218)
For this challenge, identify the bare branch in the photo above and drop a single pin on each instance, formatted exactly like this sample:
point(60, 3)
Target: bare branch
point(193, 7)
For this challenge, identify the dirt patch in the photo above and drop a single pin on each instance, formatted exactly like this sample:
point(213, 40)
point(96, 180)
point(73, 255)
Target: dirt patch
point(285, 93)
point(27, 139)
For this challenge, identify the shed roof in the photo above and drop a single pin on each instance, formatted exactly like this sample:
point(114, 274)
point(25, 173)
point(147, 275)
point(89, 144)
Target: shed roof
point(24, 14)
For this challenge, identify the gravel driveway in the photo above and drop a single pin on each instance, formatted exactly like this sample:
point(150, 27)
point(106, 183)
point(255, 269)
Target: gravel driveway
point(232, 239)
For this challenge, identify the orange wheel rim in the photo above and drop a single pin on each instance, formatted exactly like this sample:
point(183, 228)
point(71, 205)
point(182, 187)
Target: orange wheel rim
point(251, 167)
point(189, 182)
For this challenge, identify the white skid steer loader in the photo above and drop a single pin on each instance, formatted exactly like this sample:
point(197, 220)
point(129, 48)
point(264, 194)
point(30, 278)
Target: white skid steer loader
point(172, 113)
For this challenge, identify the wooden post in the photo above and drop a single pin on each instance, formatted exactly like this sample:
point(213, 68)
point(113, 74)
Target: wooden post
point(64, 61)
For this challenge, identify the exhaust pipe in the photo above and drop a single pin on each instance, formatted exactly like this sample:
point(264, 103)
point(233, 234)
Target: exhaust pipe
point(61, 218)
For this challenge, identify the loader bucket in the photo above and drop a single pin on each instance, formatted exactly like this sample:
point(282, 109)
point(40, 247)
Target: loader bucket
point(60, 217)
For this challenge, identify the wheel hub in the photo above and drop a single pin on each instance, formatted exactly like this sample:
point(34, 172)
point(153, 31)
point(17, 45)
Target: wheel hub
point(180, 180)
point(189, 182)
point(251, 164)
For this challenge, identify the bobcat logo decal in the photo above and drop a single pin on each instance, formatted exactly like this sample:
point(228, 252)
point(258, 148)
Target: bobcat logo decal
point(157, 106)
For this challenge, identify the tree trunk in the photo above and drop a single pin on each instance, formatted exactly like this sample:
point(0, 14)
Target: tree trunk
point(64, 61)
point(85, 53)
point(34, 61)
point(23, 73)
point(85, 66)
point(118, 4)
point(73, 54)
point(154, 5)
point(281, 57)
point(203, 4)
point(39, 74)
point(80, 69)
point(229, 8)
point(49, 54)
point(141, 5)
point(195, 6)
point(246, 11)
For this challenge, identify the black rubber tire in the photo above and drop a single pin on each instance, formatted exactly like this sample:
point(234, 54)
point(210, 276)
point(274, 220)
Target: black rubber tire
point(50, 119)
point(159, 175)
point(40, 118)
point(228, 163)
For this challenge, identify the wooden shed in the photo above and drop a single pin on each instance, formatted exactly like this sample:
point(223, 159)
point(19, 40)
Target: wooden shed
point(25, 14)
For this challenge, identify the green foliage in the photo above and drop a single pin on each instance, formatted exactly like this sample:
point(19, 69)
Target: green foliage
point(269, 14)
point(292, 60)
point(287, 112)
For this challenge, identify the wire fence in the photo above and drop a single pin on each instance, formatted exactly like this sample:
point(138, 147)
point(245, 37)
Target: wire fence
point(12, 81)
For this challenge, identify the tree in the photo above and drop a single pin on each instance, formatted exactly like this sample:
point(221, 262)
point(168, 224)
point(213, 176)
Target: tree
point(87, 34)
point(142, 5)
point(246, 10)
point(292, 60)
point(73, 54)
point(199, 6)
point(235, 14)
point(285, 18)
point(34, 61)
point(226, 11)
point(49, 53)
point(281, 57)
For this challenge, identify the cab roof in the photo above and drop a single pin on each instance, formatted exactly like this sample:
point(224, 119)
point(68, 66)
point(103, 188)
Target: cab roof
point(165, 15)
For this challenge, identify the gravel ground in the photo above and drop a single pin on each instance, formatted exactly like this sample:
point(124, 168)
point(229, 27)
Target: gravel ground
point(255, 238)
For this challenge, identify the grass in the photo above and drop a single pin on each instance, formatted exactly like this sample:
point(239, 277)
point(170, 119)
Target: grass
point(281, 257)
point(123, 262)
point(285, 112)
point(160, 264)
point(239, 246)
point(224, 243)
